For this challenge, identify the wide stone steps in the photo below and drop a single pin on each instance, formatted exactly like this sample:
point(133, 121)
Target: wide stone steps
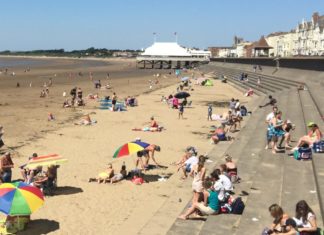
point(282, 180)
point(195, 226)
point(275, 84)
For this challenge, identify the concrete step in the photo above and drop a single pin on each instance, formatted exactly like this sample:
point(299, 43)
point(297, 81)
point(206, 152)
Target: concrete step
point(246, 152)
point(311, 113)
point(253, 83)
point(299, 182)
point(245, 85)
point(194, 226)
point(243, 69)
point(264, 80)
point(266, 187)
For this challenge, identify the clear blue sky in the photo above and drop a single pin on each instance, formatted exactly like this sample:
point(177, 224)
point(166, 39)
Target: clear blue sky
point(122, 24)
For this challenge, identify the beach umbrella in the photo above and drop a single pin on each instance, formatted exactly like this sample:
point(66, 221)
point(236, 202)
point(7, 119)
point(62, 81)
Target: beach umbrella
point(184, 79)
point(20, 198)
point(130, 148)
point(47, 160)
point(182, 95)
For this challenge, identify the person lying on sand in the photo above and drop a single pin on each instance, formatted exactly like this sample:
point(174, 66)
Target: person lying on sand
point(153, 127)
point(104, 177)
point(93, 96)
point(137, 179)
point(50, 117)
point(66, 104)
point(86, 120)
point(120, 176)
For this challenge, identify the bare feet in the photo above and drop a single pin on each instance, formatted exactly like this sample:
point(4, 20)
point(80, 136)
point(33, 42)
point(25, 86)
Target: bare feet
point(182, 217)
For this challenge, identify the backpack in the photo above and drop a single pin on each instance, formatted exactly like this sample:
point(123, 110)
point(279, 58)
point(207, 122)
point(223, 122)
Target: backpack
point(318, 147)
point(237, 206)
point(303, 153)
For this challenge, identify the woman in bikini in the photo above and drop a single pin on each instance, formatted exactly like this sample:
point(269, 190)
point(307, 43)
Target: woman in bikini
point(314, 135)
point(198, 172)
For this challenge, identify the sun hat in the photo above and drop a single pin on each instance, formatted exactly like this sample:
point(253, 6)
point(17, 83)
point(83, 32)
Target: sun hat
point(310, 124)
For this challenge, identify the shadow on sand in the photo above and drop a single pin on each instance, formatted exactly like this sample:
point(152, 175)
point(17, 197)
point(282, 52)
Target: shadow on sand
point(41, 226)
point(67, 190)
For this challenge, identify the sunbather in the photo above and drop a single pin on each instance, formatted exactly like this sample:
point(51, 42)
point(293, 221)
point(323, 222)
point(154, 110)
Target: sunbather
point(218, 135)
point(209, 206)
point(104, 177)
point(120, 176)
point(153, 127)
point(231, 169)
point(85, 120)
point(314, 135)
point(279, 218)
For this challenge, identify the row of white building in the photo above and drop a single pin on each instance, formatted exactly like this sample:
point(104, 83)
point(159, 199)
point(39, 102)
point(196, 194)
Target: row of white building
point(307, 39)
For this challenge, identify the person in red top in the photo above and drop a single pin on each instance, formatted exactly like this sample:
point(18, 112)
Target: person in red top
point(137, 179)
point(154, 123)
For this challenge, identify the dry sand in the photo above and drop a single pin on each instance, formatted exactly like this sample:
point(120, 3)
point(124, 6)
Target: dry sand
point(89, 208)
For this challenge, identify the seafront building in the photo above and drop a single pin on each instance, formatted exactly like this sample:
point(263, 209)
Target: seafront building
point(306, 39)
point(171, 55)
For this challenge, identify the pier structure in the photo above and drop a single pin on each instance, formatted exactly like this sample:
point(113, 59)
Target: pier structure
point(167, 55)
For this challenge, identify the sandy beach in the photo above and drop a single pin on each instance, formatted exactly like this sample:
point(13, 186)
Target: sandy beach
point(79, 207)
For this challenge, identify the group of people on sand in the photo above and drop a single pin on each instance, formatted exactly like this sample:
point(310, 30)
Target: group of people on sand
point(76, 98)
point(209, 192)
point(110, 176)
point(229, 120)
point(304, 221)
point(45, 180)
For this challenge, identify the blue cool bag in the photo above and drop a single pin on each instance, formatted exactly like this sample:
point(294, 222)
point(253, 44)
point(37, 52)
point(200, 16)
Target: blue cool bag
point(318, 147)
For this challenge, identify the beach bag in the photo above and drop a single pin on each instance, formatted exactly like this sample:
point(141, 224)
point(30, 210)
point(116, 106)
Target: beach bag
point(318, 147)
point(221, 137)
point(303, 153)
point(238, 206)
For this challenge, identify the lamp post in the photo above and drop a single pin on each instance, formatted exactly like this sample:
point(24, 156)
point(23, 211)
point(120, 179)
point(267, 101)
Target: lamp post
point(154, 37)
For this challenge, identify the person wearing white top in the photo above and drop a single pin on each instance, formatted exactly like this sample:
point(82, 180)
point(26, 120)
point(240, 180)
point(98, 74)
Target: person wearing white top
point(219, 188)
point(305, 218)
point(187, 165)
point(218, 185)
point(269, 117)
point(226, 182)
point(237, 104)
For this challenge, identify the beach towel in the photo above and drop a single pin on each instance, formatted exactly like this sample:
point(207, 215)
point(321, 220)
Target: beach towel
point(216, 117)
